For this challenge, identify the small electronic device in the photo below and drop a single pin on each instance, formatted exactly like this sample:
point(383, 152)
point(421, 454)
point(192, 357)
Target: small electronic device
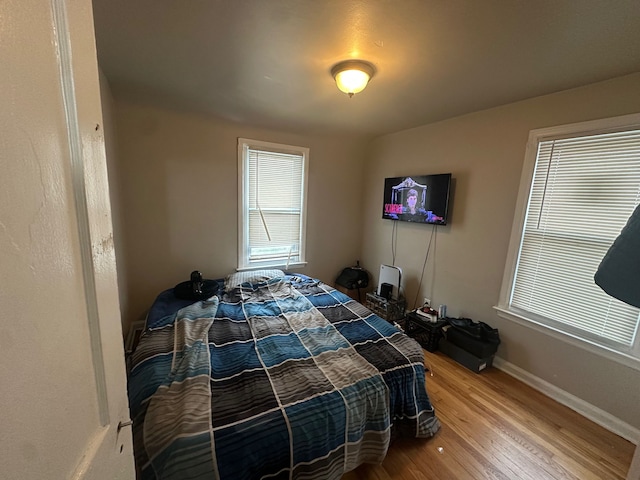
point(385, 290)
point(196, 283)
point(391, 275)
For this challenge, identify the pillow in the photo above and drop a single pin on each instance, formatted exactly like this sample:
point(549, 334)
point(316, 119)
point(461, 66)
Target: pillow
point(252, 276)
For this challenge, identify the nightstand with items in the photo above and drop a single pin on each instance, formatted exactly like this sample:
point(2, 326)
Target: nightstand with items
point(425, 331)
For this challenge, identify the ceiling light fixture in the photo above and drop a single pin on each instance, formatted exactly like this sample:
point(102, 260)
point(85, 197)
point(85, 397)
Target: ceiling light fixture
point(352, 76)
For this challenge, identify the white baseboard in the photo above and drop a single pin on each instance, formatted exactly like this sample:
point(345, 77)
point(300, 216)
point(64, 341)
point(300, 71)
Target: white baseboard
point(593, 413)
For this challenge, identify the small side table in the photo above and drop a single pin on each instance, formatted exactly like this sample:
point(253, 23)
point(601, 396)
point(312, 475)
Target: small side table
point(427, 333)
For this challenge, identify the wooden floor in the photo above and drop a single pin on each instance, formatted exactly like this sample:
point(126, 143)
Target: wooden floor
point(496, 427)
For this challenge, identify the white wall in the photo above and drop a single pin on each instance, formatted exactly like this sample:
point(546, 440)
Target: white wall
point(178, 181)
point(485, 153)
point(111, 149)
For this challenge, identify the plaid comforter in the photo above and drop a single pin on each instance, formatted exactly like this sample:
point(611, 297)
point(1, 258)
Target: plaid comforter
point(278, 380)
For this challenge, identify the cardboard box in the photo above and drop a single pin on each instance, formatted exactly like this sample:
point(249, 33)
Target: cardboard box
point(464, 358)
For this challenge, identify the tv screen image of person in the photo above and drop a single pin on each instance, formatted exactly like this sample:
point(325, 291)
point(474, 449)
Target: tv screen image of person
point(419, 199)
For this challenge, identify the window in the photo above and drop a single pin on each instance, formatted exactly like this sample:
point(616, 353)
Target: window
point(579, 186)
point(272, 201)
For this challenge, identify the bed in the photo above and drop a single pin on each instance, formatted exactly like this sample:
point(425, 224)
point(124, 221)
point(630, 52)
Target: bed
point(274, 377)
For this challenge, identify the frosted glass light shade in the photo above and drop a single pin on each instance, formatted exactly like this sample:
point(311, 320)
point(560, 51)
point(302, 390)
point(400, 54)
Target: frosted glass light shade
point(352, 76)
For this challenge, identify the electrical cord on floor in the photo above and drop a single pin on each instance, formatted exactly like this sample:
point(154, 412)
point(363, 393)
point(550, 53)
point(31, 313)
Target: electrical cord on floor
point(428, 367)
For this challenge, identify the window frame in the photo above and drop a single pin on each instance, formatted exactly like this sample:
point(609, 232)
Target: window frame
point(244, 144)
point(629, 357)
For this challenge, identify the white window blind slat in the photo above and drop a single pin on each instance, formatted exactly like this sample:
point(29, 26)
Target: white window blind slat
point(584, 189)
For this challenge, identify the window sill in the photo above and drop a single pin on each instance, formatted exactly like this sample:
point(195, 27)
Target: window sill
point(281, 266)
point(592, 347)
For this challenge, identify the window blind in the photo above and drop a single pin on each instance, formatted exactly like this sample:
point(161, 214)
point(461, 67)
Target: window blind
point(583, 191)
point(275, 201)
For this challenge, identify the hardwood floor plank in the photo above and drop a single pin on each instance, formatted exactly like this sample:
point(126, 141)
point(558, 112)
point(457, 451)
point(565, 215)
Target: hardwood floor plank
point(496, 427)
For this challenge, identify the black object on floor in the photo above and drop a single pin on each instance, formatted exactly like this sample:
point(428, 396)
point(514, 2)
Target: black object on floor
point(477, 338)
point(464, 358)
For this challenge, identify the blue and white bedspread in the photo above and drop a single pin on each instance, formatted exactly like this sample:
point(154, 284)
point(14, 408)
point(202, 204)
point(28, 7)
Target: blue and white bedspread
point(287, 379)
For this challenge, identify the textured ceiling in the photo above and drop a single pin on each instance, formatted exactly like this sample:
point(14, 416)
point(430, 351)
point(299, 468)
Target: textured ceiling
point(267, 62)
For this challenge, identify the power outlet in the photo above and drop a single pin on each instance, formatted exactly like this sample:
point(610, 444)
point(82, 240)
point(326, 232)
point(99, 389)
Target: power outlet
point(426, 302)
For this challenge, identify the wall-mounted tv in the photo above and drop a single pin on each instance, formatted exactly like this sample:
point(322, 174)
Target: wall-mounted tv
point(419, 199)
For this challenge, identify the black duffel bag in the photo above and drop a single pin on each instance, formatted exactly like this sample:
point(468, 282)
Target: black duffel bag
point(477, 338)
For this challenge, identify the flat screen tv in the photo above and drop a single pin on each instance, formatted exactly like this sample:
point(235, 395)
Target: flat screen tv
point(419, 199)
